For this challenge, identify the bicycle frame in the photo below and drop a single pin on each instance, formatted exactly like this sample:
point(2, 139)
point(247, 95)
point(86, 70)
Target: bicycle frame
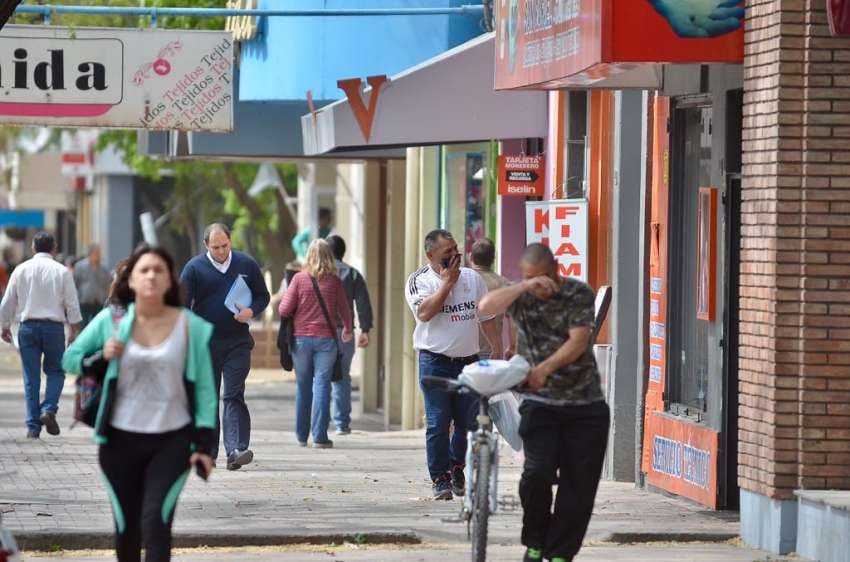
point(484, 434)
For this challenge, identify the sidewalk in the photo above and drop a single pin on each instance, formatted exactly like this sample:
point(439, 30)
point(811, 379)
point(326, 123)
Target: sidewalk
point(371, 488)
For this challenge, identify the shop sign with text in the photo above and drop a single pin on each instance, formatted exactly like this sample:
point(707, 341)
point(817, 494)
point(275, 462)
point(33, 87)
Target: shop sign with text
point(105, 77)
point(560, 43)
point(561, 225)
point(522, 175)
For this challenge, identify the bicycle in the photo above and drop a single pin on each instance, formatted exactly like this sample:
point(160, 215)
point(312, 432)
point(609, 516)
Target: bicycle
point(481, 472)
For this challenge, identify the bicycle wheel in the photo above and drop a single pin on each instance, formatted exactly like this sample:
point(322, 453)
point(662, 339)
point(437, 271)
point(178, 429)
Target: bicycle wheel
point(481, 503)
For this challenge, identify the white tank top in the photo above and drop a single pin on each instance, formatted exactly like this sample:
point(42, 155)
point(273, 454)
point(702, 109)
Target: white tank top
point(151, 395)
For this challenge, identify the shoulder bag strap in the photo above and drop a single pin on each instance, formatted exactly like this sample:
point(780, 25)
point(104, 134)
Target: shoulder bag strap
point(324, 309)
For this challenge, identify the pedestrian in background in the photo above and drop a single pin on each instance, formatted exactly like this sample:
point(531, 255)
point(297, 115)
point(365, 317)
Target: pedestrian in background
point(357, 293)
point(483, 255)
point(42, 297)
point(444, 299)
point(158, 409)
point(301, 241)
point(314, 288)
point(207, 279)
point(92, 281)
point(564, 424)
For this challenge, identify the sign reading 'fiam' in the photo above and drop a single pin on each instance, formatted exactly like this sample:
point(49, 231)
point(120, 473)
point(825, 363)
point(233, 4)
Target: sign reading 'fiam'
point(129, 78)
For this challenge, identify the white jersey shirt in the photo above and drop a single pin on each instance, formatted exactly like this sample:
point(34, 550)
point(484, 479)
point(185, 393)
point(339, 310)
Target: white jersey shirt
point(454, 330)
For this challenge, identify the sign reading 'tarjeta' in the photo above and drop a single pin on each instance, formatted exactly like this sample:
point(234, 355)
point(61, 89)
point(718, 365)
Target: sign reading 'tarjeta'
point(128, 78)
point(521, 175)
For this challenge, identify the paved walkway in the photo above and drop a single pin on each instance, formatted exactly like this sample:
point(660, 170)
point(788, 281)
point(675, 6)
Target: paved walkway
point(371, 487)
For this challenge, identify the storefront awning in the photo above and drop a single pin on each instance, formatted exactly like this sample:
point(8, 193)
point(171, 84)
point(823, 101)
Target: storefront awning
point(262, 132)
point(447, 99)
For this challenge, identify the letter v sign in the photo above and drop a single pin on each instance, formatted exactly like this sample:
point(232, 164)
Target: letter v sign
point(353, 88)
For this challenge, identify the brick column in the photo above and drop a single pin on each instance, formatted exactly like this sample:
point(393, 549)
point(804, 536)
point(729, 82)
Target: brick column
point(794, 368)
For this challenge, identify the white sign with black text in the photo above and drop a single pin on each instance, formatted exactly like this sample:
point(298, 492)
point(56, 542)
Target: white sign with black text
point(110, 77)
point(561, 225)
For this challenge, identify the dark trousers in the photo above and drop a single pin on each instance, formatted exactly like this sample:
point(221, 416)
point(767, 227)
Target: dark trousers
point(441, 409)
point(145, 473)
point(564, 445)
point(231, 364)
point(89, 310)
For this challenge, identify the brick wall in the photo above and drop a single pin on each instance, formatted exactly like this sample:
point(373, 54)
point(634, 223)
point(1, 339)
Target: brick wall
point(794, 367)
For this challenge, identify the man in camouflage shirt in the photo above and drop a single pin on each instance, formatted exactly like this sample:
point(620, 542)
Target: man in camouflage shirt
point(565, 419)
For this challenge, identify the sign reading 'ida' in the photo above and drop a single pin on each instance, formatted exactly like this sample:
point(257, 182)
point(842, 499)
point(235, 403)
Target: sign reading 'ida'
point(104, 77)
point(521, 175)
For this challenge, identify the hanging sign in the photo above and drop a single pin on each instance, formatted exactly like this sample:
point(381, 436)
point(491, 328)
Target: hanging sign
point(106, 77)
point(561, 225)
point(521, 175)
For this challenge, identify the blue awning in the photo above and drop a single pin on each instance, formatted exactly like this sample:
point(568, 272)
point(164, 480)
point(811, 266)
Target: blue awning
point(28, 218)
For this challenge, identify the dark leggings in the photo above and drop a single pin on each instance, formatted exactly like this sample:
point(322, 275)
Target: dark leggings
point(145, 474)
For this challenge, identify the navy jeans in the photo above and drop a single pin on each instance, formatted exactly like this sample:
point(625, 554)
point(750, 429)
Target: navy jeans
point(37, 339)
point(342, 389)
point(314, 363)
point(231, 361)
point(441, 408)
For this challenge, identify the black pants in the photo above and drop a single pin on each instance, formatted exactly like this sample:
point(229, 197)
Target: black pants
point(145, 474)
point(231, 364)
point(564, 445)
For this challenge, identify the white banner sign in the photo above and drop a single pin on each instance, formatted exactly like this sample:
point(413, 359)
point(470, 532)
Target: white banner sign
point(561, 225)
point(105, 77)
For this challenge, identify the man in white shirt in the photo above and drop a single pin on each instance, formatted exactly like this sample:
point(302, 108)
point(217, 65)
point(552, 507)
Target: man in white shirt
point(41, 296)
point(444, 299)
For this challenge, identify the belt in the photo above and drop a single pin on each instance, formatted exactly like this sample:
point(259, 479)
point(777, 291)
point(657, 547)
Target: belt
point(43, 320)
point(465, 360)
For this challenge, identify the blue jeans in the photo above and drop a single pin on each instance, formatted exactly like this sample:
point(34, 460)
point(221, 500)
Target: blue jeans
point(313, 359)
point(445, 451)
point(342, 389)
point(231, 359)
point(37, 338)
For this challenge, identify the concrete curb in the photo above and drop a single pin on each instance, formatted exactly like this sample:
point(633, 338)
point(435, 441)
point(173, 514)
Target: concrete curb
point(99, 540)
point(638, 538)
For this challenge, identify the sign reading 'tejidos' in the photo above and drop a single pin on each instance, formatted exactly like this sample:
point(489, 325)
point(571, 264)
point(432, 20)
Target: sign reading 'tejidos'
point(104, 77)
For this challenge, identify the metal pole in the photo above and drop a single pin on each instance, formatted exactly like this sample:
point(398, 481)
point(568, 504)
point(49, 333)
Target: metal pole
point(45, 10)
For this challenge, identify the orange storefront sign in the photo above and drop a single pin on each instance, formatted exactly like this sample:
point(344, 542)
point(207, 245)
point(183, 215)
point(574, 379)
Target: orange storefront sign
point(562, 43)
point(522, 176)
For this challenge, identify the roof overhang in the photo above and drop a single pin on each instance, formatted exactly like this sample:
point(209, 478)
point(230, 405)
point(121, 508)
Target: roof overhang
point(262, 132)
point(444, 100)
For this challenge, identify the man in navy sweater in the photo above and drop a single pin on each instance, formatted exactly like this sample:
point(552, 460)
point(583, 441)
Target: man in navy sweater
point(207, 278)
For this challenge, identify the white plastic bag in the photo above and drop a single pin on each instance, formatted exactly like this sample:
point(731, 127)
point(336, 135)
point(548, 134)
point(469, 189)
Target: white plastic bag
point(504, 410)
point(490, 377)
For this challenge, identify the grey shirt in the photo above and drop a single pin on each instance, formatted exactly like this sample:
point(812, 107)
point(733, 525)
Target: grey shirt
point(92, 283)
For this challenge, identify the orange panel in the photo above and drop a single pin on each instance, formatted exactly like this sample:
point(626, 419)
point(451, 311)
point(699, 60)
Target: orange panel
point(601, 123)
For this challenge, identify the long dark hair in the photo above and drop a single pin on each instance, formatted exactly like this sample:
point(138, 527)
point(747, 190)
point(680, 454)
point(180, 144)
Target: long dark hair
point(124, 295)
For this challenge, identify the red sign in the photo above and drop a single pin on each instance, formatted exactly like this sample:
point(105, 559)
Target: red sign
point(560, 43)
point(522, 176)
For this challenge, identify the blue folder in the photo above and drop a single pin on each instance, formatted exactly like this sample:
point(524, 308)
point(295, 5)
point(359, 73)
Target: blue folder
point(240, 294)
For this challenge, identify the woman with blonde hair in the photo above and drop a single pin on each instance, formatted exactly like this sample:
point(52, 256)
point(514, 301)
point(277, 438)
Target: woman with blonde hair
point(314, 300)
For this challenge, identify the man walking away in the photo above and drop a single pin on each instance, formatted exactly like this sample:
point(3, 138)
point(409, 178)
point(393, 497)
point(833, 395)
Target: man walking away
point(483, 255)
point(42, 297)
point(564, 425)
point(444, 299)
point(207, 279)
point(93, 281)
point(356, 293)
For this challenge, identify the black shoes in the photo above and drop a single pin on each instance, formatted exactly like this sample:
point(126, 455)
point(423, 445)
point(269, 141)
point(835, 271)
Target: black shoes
point(237, 459)
point(442, 489)
point(458, 480)
point(48, 419)
point(33, 434)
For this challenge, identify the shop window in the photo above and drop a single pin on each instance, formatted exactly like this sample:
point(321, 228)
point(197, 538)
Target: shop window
point(575, 145)
point(463, 201)
point(687, 330)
